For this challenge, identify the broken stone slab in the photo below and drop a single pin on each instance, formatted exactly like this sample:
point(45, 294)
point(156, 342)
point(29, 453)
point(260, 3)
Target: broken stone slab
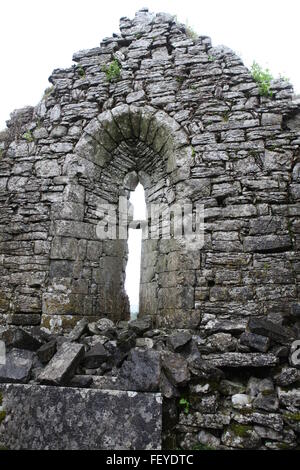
point(81, 381)
point(62, 366)
point(289, 398)
point(275, 332)
point(178, 340)
point(272, 420)
point(96, 356)
point(141, 371)
point(17, 367)
point(257, 342)
point(256, 386)
point(241, 400)
point(241, 437)
point(140, 326)
point(105, 382)
point(228, 387)
point(106, 327)
point(47, 351)
point(204, 420)
point(64, 418)
point(175, 368)
point(232, 359)
point(20, 339)
point(267, 402)
point(287, 376)
point(78, 330)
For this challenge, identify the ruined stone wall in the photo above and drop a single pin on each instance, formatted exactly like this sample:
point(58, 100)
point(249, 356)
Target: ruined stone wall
point(156, 106)
point(189, 120)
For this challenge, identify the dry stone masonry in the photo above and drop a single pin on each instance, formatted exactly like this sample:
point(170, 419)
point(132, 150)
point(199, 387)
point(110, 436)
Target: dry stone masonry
point(218, 327)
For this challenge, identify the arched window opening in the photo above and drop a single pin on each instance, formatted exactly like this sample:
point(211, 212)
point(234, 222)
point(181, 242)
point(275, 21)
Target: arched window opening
point(133, 268)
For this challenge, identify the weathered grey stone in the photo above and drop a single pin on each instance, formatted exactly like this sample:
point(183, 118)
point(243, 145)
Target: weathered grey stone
point(267, 243)
point(141, 371)
point(17, 367)
point(21, 339)
point(232, 359)
point(81, 381)
point(257, 342)
point(62, 366)
point(47, 351)
point(140, 326)
point(228, 387)
point(289, 398)
point(176, 369)
point(271, 330)
point(287, 376)
point(256, 386)
point(267, 402)
point(208, 439)
point(241, 400)
point(93, 414)
point(202, 420)
point(241, 437)
point(186, 121)
point(177, 340)
point(96, 356)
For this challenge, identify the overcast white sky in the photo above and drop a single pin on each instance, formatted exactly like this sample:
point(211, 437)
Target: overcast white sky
point(37, 36)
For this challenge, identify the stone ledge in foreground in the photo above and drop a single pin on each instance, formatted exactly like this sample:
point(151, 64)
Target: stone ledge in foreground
point(40, 417)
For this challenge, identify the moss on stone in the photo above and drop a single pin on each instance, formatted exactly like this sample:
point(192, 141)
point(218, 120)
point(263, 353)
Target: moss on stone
point(2, 415)
point(240, 430)
point(203, 447)
point(293, 416)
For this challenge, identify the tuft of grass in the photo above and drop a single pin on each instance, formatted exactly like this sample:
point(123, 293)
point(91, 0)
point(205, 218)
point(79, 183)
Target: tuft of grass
point(190, 32)
point(263, 78)
point(48, 92)
point(241, 430)
point(185, 404)
point(81, 71)
point(179, 79)
point(112, 71)
point(292, 416)
point(28, 136)
point(2, 415)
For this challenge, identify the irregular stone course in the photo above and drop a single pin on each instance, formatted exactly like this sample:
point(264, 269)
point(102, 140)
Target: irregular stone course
point(187, 121)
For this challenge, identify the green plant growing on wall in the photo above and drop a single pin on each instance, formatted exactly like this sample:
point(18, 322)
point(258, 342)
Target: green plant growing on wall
point(185, 404)
point(81, 71)
point(28, 136)
point(263, 78)
point(191, 33)
point(48, 92)
point(112, 71)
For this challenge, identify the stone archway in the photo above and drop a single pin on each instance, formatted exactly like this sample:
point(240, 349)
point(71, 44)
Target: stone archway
point(87, 274)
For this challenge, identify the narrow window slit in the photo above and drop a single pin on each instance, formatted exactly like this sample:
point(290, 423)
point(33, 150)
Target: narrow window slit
point(133, 268)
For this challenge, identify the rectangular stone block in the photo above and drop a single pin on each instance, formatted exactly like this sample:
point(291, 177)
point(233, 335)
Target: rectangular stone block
point(58, 418)
point(267, 243)
point(63, 364)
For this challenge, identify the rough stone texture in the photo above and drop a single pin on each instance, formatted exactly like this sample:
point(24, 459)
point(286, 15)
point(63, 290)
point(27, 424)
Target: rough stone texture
point(63, 365)
point(187, 121)
point(17, 367)
point(57, 418)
